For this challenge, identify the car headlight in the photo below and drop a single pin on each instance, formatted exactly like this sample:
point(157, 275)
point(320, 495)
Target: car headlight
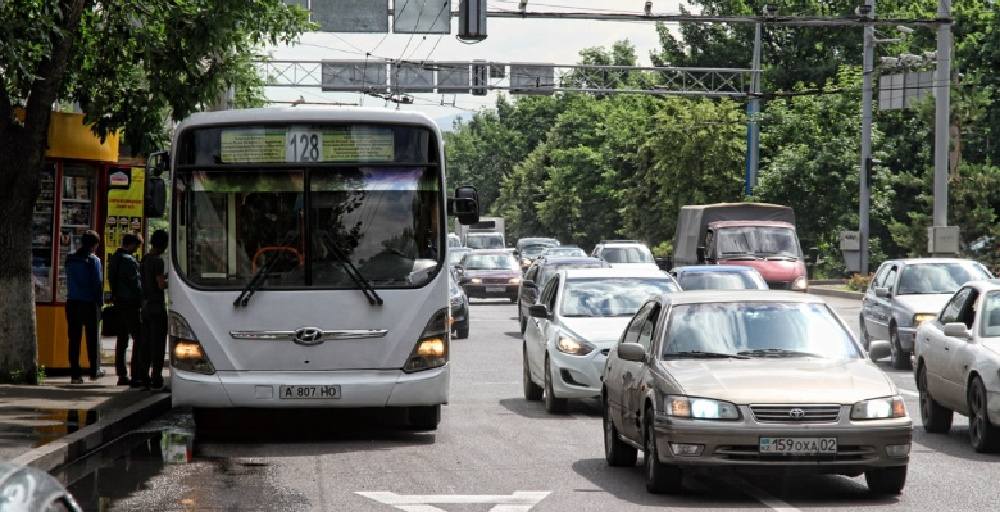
point(800, 283)
point(573, 346)
point(879, 408)
point(475, 280)
point(515, 280)
point(525, 262)
point(920, 318)
point(700, 408)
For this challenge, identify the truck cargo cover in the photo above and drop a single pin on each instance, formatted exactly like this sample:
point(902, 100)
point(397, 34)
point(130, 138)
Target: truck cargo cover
point(693, 220)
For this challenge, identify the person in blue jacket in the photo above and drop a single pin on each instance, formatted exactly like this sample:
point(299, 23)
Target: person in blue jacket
point(84, 298)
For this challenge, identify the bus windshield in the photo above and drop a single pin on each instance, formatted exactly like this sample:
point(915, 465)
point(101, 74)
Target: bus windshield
point(303, 225)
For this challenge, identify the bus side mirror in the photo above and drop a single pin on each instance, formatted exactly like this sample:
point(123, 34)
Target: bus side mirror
point(155, 197)
point(157, 164)
point(465, 205)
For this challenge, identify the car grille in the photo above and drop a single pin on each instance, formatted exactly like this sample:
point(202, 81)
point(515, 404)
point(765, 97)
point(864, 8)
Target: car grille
point(796, 413)
point(496, 280)
point(752, 453)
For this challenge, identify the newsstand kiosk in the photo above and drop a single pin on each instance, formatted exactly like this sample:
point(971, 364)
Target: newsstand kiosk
point(83, 186)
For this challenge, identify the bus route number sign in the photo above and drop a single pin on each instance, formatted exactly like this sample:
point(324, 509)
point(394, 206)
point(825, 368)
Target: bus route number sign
point(303, 146)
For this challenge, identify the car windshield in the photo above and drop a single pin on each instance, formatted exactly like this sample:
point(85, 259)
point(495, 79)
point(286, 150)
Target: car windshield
point(534, 250)
point(758, 329)
point(490, 262)
point(550, 269)
point(720, 281)
point(611, 296)
point(626, 255)
point(455, 257)
point(938, 278)
point(484, 242)
point(564, 251)
point(384, 220)
point(991, 315)
point(762, 241)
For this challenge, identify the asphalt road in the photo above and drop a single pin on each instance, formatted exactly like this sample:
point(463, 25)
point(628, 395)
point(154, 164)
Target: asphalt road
point(493, 449)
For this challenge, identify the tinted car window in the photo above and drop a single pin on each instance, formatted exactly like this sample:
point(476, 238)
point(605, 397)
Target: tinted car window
point(991, 315)
point(626, 255)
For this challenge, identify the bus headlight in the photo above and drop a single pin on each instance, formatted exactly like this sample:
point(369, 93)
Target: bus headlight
point(431, 349)
point(186, 353)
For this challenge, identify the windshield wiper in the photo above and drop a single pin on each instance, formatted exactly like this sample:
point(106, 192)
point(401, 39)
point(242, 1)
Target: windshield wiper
point(352, 271)
point(779, 352)
point(697, 354)
point(260, 276)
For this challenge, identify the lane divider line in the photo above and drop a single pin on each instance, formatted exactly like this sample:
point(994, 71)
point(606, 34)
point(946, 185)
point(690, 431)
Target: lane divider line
point(760, 495)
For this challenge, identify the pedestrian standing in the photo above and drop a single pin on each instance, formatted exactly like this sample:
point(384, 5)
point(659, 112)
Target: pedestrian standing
point(154, 307)
point(126, 293)
point(84, 298)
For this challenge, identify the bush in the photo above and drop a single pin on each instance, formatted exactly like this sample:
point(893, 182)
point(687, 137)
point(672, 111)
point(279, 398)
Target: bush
point(858, 282)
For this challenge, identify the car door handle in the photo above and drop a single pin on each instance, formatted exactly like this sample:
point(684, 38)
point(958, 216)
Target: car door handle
point(946, 347)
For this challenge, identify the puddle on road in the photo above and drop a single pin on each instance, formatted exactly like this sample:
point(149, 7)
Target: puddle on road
point(41, 426)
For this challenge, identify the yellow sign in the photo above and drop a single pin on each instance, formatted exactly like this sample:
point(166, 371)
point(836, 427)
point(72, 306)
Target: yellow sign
point(359, 145)
point(245, 146)
point(126, 192)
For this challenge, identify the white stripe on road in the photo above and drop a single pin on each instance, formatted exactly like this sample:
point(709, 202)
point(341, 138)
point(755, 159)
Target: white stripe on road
point(760, 495)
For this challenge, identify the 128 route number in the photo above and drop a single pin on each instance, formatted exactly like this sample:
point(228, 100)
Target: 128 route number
point(303, 146)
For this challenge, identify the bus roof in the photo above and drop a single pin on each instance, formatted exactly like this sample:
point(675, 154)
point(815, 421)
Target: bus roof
point(305, 114)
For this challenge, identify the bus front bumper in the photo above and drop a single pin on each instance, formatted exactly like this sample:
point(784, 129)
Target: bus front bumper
point(358, 388)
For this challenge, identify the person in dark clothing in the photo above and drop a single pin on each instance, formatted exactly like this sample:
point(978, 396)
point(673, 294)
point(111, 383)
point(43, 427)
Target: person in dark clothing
point(126, 293)
point(84, 299)
point(154, 308)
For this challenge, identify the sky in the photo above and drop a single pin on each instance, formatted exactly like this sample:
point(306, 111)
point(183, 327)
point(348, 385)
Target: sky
point(508, 40)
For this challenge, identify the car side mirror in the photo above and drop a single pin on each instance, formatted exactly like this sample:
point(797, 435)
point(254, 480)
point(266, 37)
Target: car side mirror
point(538, 311)
point(465, 205)
point(957, 330)
point(632, 352)
point(700, 254)
point(883, 293)
point(878, 349)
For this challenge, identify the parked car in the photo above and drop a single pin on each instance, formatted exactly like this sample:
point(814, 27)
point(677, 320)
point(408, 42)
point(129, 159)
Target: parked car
point(539, 273)
point(565, 251)
point(581, 314)
point(487, 274)
point(459, 308)
point(527, 249)
point(751, 379)
point(957, 355)
point(455, 255)
point(625, 253)
point(905, 293)
point(718, 277)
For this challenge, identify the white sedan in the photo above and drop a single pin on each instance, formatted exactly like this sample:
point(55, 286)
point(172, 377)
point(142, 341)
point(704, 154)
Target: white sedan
point(957, 357)
point(579, 316)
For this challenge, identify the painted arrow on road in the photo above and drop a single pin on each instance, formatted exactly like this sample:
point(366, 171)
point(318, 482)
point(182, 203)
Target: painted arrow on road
point(520, 501)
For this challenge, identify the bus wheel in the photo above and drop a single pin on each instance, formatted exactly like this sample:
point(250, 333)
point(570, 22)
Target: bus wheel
point(426, 417)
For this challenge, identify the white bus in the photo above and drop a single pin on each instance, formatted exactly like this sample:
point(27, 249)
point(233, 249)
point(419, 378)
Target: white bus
point(308, 249)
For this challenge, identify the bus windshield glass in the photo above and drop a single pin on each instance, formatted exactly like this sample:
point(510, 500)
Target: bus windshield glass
point(305, 225)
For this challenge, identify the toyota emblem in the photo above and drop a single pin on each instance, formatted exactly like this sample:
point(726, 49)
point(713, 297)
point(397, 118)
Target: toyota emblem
point(797, 413)
point(309, 336)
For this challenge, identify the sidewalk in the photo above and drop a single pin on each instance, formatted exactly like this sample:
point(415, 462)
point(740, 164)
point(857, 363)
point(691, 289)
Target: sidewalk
point(54, 423)
point(834, 290)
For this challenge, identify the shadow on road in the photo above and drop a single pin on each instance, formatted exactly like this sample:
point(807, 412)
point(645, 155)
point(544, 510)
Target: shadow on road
point(575, 409)
point(513, 334)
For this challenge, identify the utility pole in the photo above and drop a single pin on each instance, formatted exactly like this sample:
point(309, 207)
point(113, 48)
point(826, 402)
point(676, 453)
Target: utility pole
point(942, 89)
point(753, 113)
point(867, 10)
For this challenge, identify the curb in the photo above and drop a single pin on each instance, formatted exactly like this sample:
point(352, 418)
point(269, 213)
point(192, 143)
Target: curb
point(842, 294)
point(87, 439)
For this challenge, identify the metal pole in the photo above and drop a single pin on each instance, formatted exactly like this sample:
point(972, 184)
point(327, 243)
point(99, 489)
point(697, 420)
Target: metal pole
point(942, 89)
point(753, 111)
point(864, 194)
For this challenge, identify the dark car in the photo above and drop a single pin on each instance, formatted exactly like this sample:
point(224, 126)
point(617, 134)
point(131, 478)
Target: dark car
point(539, 273)
point(489, 274)
point(529, 249)
point(459, 308)
point(718, 277)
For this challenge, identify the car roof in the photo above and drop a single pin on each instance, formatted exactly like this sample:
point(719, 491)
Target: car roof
point(490, 251)
point(913, 261)
point(710, 296)
point(691, 269)
point(568, 259)
point(572, 273)
point(985, 285)
point(622, 244)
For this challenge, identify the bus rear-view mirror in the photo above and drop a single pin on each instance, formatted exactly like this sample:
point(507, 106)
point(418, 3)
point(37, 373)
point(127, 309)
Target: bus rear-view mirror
point(465, 205)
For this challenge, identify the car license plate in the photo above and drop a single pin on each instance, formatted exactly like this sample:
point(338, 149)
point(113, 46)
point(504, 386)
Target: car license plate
point(798, 445)
point(308, 392)
point(496, 288)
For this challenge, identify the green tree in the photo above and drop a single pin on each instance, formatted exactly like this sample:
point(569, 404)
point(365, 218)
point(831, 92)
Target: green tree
point(126, 63)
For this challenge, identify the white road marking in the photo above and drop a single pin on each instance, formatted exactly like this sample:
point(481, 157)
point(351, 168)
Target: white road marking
point(520, 501)
point(760, 495)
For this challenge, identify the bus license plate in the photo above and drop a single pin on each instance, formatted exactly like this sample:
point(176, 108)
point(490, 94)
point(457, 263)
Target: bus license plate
point(798, 445)
point(309, 392)
point(496, 289)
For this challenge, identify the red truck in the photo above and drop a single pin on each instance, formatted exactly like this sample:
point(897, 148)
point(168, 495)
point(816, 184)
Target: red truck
point(757, 235)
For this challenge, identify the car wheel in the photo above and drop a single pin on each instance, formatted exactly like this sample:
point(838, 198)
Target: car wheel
point(532, 391)
point(616, 452)
point(425, 417)
point(984, 436)
point(866, 339)
point(900, 357)
point(552, 404)
point(660, 478)
point(462, 330)
point(936, 418)
point(886, 480)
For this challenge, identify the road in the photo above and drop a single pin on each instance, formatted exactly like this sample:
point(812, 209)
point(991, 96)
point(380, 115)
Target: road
point(491, 444)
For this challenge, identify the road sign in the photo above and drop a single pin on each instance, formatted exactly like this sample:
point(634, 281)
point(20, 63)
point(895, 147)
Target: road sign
point(354, 75)
point(422, 17)
point(532, 79)
point(412, 77)
point(361, 16)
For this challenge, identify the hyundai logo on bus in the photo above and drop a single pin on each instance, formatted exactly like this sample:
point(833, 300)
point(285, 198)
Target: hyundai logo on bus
point(795, 412)
point(308, 336)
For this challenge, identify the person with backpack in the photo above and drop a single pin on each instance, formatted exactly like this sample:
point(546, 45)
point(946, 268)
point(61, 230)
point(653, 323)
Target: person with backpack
point(126, 293)
point(154, 308)
point(84, 298)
